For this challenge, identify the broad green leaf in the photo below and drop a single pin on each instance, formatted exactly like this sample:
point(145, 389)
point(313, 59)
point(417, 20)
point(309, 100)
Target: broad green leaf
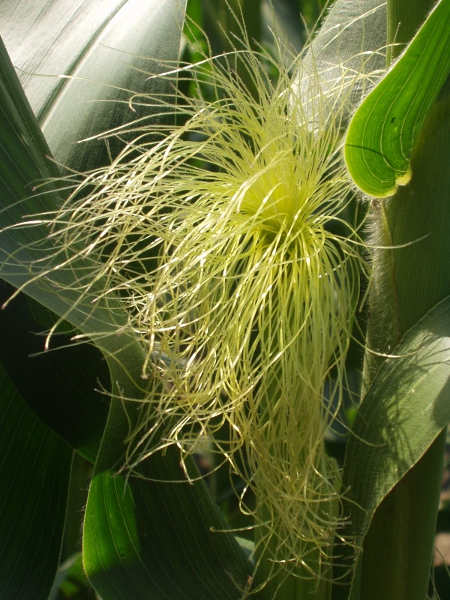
point(60, 385)
point(186, 552)
point(352, 39)
point(402, 414)
point(26, 252)
point(23, 164)
point(80, 64)
point(386, 125)
point(34, 478)
point(53, 38)
point(111, 44)
point(144, 507)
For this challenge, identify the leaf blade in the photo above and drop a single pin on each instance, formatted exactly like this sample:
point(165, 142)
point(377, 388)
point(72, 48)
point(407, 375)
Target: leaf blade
point(88, 62)
point(34, 472)
point(386, 125)
point(402, 414)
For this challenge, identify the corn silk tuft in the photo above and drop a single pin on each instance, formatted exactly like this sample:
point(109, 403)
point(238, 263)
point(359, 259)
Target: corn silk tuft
point(224, 239)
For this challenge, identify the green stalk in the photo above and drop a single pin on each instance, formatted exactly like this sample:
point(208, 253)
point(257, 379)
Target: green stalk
point(403, 19)
point(398, 548)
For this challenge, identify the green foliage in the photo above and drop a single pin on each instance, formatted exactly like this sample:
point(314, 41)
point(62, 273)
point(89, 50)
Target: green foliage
point(387, 124)
point(411, 254)
point(35, 472)
point(150, 536)
point(403, 413)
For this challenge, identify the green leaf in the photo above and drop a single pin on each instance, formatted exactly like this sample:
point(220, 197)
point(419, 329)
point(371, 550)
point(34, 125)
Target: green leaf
point(34, 476)
point(59, 386)
point(127, 529)
point(353, 38)
point(71, 582)
point(26, 253)
point(402, 414)
point(386, 125)
point(159, 539)
point(81, 417)
point(60, 38)
point(80, 64)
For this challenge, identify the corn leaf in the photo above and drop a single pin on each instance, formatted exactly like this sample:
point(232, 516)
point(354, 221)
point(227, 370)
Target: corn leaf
point(386, 125)
point(80, 66)
point(114, 557)
point(34, 476)
point(77, 68)
point(402, 414)
point(59, 386)
point(24, 163)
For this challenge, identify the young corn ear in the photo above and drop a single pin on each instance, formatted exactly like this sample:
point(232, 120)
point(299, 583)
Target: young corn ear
point(221, 237)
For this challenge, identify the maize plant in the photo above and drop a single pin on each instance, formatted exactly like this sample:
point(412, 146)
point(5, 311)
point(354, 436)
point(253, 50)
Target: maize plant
point(223, 245)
